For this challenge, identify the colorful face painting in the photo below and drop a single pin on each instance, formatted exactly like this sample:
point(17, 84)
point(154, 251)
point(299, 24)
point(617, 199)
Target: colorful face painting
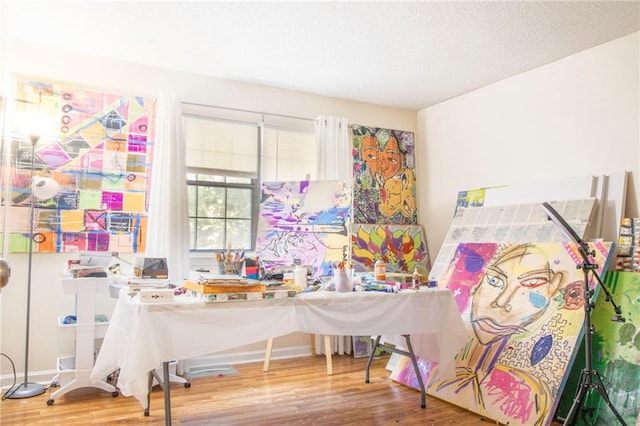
point(616, 349)
point(523, 305)
point(401, 247)
point(100, 152)
point(303, 223)
point(384, 176)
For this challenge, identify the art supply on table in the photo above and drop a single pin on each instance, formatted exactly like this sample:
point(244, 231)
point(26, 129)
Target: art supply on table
point(300, 276)
point(381, 286)
point(342, 281)
point(380, 270)
point(230, 262)
point(251, 268)
point(288, 279)
point(230, 256)
point(415, 279)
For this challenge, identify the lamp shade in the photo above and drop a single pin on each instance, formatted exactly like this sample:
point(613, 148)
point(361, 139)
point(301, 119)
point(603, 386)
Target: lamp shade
point(34, 124)
point(5, 273)
point(44, 188)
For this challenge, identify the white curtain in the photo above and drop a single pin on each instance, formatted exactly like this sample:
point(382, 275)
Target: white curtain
point(333, 148)
point(333, 161)
point(168, 225)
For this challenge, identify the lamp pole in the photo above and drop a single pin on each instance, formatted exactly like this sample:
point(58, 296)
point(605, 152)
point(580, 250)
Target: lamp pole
point(26, 389)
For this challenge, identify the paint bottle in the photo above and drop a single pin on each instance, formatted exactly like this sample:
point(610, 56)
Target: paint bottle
point(380, 270)
point(415, 279)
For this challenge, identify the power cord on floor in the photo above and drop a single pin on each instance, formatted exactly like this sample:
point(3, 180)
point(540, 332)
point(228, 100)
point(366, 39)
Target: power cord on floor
point(13, 387)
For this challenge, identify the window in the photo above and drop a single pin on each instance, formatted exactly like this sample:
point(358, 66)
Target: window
point(227, 158)
point(220, 211)
point(222, 164)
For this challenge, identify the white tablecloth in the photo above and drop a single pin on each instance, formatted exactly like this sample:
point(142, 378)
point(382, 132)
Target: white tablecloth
point(141, 336)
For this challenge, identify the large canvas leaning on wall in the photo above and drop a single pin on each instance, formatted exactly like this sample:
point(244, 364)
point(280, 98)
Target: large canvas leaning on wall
point(524, 308)
point(304, 223)
point(518, 223)
point(100, 153)
point(384, 188)
point(401, 247)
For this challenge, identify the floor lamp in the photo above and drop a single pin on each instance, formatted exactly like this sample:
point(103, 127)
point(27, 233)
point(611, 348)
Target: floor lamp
point(41, 189)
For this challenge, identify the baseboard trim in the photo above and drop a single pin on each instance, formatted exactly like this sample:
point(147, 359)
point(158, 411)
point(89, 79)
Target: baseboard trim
point(213, 360)
point(46, 377)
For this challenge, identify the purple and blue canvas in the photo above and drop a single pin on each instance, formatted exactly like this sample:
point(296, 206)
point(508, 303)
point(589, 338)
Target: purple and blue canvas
point(304, 223)
point(523, 305)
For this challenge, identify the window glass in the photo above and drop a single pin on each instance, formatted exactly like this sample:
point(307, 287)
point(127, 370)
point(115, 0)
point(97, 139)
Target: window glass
point(206, 234)
point(239, 203)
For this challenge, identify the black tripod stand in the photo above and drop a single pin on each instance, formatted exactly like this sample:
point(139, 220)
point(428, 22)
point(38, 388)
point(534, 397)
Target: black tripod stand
point(589, 377)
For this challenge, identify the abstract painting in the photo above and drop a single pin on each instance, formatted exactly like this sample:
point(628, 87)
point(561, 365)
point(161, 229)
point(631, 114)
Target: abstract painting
point(100, 153)
point(304, 223)
point(616, 355)
point(401, 247)
point(524, 307)
point(384, 189)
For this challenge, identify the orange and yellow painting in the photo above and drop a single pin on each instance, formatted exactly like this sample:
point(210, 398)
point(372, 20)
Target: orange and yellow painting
point(384, 189)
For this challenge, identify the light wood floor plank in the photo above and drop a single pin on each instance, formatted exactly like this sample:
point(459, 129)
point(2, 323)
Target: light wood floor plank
point(296, 391)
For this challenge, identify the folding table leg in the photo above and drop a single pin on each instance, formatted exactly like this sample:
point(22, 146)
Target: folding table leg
point(165, 384)
point(146, 410)
point(423, 401)
point(409, 352)
point(370, 360)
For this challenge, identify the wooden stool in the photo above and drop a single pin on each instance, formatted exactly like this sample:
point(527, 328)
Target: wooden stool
point(327, 353)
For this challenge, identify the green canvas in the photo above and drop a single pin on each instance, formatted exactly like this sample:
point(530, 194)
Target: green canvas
point(616, 356)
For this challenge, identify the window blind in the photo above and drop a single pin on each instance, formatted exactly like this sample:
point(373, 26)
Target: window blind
point(222, 145)
point(287, 154)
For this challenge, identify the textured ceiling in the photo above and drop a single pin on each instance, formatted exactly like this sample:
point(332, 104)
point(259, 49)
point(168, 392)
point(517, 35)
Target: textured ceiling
point(402, 54)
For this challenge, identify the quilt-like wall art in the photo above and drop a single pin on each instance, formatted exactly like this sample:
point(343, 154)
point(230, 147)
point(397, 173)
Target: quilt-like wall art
point(304, 223)
point(401, 247)
point(100, 154)
point(524, 308)
point(384, 189)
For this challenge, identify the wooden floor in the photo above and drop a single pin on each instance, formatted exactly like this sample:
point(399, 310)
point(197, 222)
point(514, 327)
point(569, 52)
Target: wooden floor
point(295, 391)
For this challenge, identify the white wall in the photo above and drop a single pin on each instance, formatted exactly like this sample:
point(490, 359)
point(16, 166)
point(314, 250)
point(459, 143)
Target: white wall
point(58, 66)
point(578, 116)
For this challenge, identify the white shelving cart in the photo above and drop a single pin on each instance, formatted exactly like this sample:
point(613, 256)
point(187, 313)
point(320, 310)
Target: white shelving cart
point(74, 371)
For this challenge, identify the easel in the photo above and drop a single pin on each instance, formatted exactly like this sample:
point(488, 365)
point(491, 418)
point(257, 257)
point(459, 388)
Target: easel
point(589, 377)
